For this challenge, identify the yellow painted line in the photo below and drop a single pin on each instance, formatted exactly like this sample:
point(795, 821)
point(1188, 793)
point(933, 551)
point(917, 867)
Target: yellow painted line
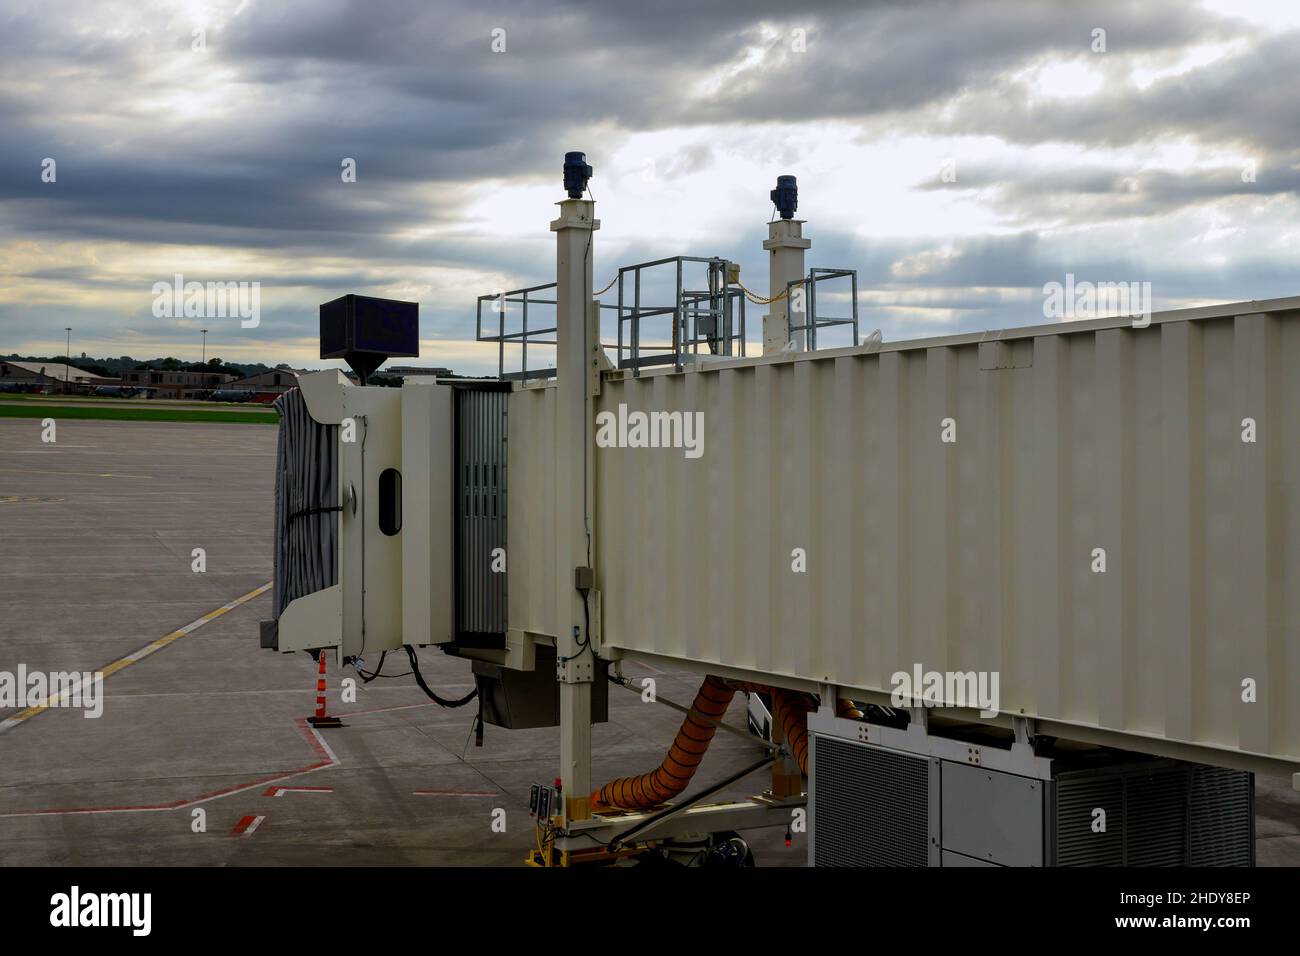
point(71, 474)
point(152, 647)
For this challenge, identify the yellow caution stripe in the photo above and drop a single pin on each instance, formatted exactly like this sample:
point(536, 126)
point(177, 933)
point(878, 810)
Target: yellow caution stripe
point(152, 647)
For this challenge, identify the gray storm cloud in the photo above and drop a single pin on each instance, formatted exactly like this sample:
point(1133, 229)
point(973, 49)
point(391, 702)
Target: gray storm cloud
point(236, 151)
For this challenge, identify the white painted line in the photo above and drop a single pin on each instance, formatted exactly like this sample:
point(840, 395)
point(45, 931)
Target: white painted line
point(453, 793)
point(246, 826)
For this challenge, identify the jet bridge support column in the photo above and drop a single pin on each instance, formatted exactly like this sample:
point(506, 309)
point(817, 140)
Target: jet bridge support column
point(574, 496)
point(786, 246)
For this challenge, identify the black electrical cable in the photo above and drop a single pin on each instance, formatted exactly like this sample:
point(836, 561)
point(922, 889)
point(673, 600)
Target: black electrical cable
point(419, 679)
point(616, 842)
point(683, 709)
point(586, 627)
point(585, 643)
point(307, 512)
point(368, 677)
point(587, 267)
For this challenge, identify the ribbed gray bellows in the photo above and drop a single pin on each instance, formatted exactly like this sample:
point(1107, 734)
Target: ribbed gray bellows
point(306, 503)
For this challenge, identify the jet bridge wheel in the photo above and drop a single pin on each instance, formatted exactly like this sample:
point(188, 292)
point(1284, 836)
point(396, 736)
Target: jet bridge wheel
point(728, 850)
point(724, 849)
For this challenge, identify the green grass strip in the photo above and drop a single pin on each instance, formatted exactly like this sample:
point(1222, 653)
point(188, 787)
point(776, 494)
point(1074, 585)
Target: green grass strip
point(115, 400)
point(120, 414)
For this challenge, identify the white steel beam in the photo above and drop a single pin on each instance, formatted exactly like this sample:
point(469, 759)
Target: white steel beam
point(574, 494)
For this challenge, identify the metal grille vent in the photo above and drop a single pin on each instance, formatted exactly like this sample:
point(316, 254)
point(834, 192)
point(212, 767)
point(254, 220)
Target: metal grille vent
point(870, 806)
point(1173, 816)
point(1222, 819)
point(480, 510)
point(1155, 818)
point(1146, 817)
point(1076, 842)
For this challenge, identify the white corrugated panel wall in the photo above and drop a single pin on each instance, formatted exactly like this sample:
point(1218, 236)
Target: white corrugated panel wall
point(975, 554)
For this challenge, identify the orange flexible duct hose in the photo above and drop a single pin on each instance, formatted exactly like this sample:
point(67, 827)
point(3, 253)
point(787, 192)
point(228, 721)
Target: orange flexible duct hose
point(792, 709)
point(846, 708)
point(673, 775)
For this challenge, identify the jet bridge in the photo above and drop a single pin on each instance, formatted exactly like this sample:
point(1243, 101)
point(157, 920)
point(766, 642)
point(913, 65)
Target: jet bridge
point(1096, 517)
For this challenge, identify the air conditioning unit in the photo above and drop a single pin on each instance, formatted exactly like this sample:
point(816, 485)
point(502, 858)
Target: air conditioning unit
point(908, 796)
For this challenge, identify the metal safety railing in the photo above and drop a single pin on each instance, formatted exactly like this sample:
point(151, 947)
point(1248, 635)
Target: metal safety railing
point(713, 317)
point(524, 336)
point(805, 289)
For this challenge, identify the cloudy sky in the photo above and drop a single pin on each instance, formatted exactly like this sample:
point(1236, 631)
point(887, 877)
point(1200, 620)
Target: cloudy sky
point(1171, 156)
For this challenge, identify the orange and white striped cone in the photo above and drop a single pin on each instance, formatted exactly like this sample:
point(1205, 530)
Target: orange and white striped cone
point(321, 720)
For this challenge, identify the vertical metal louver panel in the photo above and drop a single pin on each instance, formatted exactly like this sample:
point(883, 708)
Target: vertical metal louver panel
point(1222, 821)
point(481, 510)
point(1155, 818)
point(870, 806)
point(1179, 815)
point(1077, 799)
point(306, 503)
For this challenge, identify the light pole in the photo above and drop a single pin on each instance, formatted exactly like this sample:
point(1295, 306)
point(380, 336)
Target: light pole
point(205, 346)
point(67, 358)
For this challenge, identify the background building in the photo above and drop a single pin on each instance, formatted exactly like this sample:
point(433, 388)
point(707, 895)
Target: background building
point(275, 382)
point(55, 375)
point(416, 373)
point(175, 384)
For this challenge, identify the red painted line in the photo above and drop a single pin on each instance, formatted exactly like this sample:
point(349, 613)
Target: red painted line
point(280, 791)
point(454, 793)
point(246, 826)
point(318, 745)
point(328, 760)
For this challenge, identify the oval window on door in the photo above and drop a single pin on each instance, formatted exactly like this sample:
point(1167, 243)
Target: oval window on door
point(390, 501)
